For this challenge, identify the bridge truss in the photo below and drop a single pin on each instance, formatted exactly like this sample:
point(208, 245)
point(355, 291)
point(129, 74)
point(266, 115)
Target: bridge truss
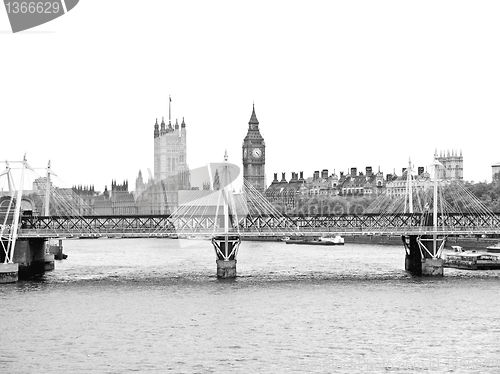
point(265, 225)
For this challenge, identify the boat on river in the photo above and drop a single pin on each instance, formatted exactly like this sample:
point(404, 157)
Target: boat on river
point(336, 240)
point(494, 248)
point(471, 260)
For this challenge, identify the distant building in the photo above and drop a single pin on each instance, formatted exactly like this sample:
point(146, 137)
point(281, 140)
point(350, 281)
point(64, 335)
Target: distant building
point(398, 187)
point(285, 193)
point(170, 154)
point(363, 184)
point(118, 201)
point(322, 184)
point(495, 172)
point(84, 199)
point(453, 165)
point(171, 172)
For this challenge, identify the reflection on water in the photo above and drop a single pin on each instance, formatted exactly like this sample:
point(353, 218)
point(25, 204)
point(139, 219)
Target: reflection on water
point(156, 305)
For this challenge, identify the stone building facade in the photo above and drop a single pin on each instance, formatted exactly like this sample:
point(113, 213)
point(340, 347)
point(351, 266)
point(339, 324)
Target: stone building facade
point(453, 165)
point(171, 172)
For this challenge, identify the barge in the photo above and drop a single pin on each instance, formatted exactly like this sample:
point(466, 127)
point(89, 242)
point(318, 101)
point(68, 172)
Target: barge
point(471, 260)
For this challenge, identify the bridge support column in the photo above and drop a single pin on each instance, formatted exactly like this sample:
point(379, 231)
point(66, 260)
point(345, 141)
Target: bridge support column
point(418, 261)
point(30, 255)
point(226, 269)
point(431, 266)
point(9, 273)
point(226, 248)
point(413, 258)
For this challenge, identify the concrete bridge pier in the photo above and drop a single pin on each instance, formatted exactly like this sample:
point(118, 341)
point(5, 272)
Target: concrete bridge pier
point(226, 248)
point(418, 261)
point(431, 266)
point(226, 269)
point(30, 256)
point(29, 260)
point(9, 273)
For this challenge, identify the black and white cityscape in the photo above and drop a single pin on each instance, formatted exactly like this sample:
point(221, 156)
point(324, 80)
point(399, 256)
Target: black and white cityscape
point(265, 187)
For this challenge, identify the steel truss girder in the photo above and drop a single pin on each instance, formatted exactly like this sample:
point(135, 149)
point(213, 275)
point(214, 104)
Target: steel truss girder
point(348, 222)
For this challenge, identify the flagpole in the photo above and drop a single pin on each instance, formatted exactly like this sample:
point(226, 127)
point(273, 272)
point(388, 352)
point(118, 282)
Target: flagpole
point(169, 110)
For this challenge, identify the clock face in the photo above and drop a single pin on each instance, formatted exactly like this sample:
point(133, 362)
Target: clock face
point(256, 153)
point(245, 152)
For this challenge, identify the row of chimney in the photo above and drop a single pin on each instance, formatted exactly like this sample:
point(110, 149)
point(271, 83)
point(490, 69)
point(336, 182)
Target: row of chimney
point(324, 174)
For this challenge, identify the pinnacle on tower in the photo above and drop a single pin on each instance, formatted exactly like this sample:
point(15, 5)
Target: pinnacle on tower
point(176, 124)
point(162, 126)
point(253, 118)
point(183, 124)
point(156, 132)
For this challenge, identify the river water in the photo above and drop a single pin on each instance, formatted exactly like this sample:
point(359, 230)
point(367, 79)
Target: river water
point(155, 305)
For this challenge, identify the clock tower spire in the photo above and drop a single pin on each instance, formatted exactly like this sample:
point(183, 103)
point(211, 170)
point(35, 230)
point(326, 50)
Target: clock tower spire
point(254, 155)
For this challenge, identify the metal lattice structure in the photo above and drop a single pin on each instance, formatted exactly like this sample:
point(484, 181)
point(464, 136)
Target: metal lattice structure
point(158, 225)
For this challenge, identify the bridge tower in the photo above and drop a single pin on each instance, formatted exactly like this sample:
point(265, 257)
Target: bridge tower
point(423, 252)
point(227, 244)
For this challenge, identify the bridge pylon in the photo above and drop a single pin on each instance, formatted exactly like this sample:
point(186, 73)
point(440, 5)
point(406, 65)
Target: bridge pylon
point(423, 253)
point(20, 258)
point(226, 245)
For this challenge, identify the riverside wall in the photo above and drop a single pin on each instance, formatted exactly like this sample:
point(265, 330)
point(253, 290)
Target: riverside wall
point(468, 243)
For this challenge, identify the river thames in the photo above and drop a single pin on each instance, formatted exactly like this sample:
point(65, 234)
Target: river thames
point(155, 305)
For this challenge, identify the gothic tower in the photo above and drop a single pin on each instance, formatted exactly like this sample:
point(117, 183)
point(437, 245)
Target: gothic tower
point(254, 155)
point(170, 153)
point(171, 172)
point(453, 165)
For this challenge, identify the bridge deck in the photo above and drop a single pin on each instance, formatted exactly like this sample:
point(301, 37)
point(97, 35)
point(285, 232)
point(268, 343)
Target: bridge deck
point(47, 233)
point(151, 226)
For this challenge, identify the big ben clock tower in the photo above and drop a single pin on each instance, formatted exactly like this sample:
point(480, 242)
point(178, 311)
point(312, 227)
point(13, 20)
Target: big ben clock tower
point(254, 155)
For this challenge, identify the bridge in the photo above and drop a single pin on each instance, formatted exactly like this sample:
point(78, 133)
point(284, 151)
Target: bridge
point(262, 225)
point(423, 217)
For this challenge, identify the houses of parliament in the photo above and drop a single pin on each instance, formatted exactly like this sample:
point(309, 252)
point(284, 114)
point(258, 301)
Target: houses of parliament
point(160, 194)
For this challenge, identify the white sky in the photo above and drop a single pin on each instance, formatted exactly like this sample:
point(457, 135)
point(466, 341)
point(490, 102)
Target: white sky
point(336, 84)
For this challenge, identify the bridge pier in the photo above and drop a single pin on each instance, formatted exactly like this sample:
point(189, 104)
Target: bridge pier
point(226, 269)
point(30, 259)
point(30, 256)
point(226, 248)
point(420, 262)
point(9, 273)
point(413, 258)
point(430, 266)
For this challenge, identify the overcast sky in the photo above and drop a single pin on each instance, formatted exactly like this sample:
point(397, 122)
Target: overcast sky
point(336, 84)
